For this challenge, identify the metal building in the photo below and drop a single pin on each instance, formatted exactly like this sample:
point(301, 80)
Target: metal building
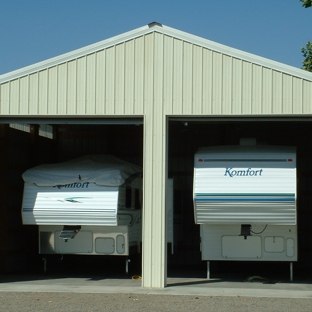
point(155, 76)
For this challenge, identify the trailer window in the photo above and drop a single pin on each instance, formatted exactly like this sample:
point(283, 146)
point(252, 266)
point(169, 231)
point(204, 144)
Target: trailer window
point(137, 204)
point(128, 197)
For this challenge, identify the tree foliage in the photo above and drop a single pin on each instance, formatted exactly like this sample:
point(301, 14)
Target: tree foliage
point(307, 51)
point(307, 54)
point(306, 3)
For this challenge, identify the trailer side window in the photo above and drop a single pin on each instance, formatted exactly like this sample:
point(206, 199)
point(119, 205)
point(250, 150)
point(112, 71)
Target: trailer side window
point(137, 204)
point(128, 197)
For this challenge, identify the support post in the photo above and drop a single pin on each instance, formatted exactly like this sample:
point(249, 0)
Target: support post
point(44, 259)
point(208, 270)
point(127, 265)
point(154, 247)
point(291, 271)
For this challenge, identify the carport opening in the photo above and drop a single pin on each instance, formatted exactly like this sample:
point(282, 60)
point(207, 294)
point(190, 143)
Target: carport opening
point(25, 145)
point(64, 141)
point(185, 137)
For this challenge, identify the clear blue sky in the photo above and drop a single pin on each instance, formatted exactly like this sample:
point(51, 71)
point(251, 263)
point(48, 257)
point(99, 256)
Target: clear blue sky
point(35, 30)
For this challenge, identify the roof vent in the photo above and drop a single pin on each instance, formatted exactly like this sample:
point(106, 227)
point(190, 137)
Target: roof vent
point(150, 25)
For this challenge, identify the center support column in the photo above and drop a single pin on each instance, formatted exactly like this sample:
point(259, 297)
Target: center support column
point(154, 267)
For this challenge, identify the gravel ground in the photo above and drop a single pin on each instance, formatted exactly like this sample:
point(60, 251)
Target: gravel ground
point(67, 302)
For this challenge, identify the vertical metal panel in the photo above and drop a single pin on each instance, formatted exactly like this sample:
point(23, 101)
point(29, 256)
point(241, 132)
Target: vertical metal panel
point(237, 99)
point(14, 97)
point(110, 81)
point(90, 84)
point(297, 101)
point(177, 76)
point(216, 83)
point(147, 234)
point(256, 89)
point(62, 89)
point(139, 62)
point(119, 84)
point(81, 86)
point(246, 88)
point(187, 78)
point(71, 86)
point(307, 96)
point(207, 82)
point(5, 98)
point(168, 74)
point(129, 74)
point(154, 250)
point(52, 91)
point(287, 94)
point(227, 77)
point(158, 73)
point(33, 95)
point(148, 74)
point(43, 93)
point(277, 93)
point(197, 79)
point(158, 167)
point(154, 170)
point(100, 83)
point(23, 107)
point(266, 91)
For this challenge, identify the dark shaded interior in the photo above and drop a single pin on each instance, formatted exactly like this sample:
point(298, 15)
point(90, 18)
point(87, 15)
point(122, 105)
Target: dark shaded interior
point(21, 150)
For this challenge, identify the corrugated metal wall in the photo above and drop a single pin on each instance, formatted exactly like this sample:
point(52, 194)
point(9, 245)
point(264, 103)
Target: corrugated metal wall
point(189, 79)
point(155, 75)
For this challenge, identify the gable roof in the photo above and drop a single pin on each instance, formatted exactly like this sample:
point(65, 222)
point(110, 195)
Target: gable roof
point(150, 28)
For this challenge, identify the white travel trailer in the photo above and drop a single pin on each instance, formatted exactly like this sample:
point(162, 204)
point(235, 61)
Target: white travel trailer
point(245, 203)
point(90, 205)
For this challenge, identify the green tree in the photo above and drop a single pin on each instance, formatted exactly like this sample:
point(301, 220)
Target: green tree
point(307, 51)
point(307, 54)
point(306, 3)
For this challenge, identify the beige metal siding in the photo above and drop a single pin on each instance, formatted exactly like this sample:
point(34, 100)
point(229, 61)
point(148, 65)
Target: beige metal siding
point(100, 82)
point(81, 87)
point(90, 84)
point(119, 83)
point(206, 106)
point(168, 74)
point(297, 96)
point(226, 85)
point(236, 84)
point(43, 92)
point(277, 100)
point(154, 165)
point(154, 74)
point(61, 88)
point(71, 98)
point(187, 79)
point(129, 74)
point(14, 97)
point(21, 88)
point(287, 94)
point(139, 60)
point(266, 93)
point(197, 74)
point(306, 97)
point(195, 80)
point(246, 85)
point(52, 91)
